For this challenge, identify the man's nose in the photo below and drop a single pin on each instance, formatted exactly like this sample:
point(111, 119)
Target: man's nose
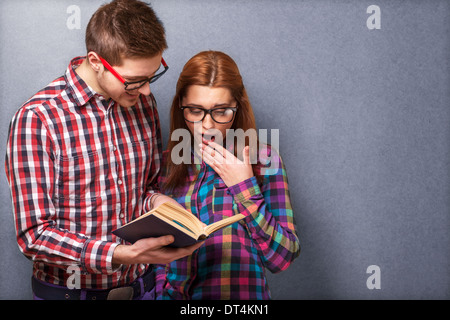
point(145, 89)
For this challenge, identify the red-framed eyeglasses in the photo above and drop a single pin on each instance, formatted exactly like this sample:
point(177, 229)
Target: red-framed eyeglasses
point(135, 84)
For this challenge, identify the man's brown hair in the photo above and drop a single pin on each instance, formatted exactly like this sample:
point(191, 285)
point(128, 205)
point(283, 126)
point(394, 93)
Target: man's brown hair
point(125, 28)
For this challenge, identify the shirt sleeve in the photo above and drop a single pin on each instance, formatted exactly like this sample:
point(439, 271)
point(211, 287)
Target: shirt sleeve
point(152, 182)
point(269, 216)
point(29, 166)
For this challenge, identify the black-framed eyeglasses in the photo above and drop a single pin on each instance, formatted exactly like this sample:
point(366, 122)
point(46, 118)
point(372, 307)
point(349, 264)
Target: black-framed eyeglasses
point(135, 84)
point(219, 115)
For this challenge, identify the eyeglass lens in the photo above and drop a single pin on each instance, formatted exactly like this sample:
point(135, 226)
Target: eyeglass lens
point(220, 115)
point(139, 84)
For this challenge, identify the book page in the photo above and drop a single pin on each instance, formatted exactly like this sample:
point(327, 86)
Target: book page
point(180, 216)
point(223, 223)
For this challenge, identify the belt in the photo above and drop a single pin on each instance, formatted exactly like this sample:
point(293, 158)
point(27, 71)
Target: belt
point(48, 291)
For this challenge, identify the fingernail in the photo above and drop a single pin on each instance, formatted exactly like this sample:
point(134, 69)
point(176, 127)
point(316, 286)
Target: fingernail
point(169, 239)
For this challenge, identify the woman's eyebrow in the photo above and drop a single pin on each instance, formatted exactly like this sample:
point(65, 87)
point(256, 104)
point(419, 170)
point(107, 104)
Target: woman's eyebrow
point(217, 105)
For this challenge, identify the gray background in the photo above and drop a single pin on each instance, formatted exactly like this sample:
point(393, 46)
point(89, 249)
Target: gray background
point(364, 119)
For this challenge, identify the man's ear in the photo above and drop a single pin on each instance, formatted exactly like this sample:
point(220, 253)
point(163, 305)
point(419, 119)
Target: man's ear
point(94, 61)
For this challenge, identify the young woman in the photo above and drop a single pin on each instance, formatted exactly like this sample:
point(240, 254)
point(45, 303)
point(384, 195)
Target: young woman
point(221, 180)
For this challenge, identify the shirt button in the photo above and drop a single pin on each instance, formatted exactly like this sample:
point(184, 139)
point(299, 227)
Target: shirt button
point(119, 181)
point(121, 215)
point(115, 148)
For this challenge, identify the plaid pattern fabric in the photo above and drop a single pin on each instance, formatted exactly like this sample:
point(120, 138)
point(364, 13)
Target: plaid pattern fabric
point(79, 166)
point(232, 262)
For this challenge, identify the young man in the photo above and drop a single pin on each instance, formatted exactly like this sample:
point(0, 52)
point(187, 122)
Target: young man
point(82, 159)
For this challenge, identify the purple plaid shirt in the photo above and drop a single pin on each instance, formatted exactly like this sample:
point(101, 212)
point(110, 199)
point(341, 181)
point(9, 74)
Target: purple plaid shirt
point(232, 262)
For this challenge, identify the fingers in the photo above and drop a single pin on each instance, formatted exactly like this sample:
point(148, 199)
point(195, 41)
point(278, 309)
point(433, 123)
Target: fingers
point(172, 254)
point(156, 250)
point(246, 155)
point(212, 160)
point(231, 169)
point(214, 148)
point(215, 152)
point(188, 250)
point(154, 243)
point(166, 240)
point(161, 198)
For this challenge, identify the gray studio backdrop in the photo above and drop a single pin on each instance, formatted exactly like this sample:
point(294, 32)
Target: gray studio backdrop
point(360, 94)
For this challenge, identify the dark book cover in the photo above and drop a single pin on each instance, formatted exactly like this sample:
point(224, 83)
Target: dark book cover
point(151, 226)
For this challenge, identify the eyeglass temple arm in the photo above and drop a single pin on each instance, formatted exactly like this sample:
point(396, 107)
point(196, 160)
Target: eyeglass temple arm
point(111, 69)
point(163, 62)
point(114, 72)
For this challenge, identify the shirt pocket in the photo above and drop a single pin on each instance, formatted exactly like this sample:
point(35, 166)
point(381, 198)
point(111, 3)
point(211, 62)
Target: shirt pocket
point(222, 202)
point(78, 177)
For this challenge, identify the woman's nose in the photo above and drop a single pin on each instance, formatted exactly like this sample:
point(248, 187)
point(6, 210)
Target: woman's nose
point(208, 122)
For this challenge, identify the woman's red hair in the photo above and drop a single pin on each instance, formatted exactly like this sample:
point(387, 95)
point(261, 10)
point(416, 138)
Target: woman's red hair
point(213, 69)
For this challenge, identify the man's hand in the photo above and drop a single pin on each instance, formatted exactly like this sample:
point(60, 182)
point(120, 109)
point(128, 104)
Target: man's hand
point(151, 251)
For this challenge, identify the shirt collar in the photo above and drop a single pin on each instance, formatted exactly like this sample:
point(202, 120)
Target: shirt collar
point(81, 92)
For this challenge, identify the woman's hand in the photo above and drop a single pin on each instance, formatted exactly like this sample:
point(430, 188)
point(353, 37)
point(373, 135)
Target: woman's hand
point(228, 167)
point(158, 199)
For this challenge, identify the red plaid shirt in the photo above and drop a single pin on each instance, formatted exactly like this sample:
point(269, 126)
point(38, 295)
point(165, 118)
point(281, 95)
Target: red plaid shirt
point(79, 166)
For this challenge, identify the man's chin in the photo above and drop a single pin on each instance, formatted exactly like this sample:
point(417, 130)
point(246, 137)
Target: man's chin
point(128, 102)
point(125, 105)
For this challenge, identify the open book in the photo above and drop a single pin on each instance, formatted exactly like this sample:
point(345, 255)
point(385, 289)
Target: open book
point(170, 219)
